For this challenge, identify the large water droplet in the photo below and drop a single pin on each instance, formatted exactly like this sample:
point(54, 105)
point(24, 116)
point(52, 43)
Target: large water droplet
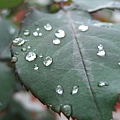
point(67, 110)
point(36, 67)
point(101, 52)
point(30, 56)
point(26, 32)
point(60, 33)
point(75, 90)
point(23, 49)
point(35, 33)
point(18, 41)
point(102, 84)
point(56, 41)
point(83, 28)
point(47, 61)
point(59, 89)
point(14, 59)
point(48, 27)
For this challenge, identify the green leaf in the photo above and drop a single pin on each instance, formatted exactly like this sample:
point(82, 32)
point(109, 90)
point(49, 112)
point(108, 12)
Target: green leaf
point(9, 3)
point(72, 64)
point(7, 80)
point(7, 33)
point(94, 5)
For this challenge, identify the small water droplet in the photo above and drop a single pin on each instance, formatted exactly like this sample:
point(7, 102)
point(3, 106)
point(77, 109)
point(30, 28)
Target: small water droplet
point(38, 29)
point(83, 28)
point(75, 90)
point(29, 47)
point(30, 56)
point(47, 61)
point(67, 110)
point(16, 53)
point(18, 42)
point(26, 32)
point(101, 52)
point(36, 67)
point(11, 30)
point(60, 33)
point(41, 55)
point(119, 62)
point(23, 49)
point(40, 34)
point(35, 33)
point(102, 84)
point(48, 27)
point(59, 89)
point(56, 41)
point(14, 59)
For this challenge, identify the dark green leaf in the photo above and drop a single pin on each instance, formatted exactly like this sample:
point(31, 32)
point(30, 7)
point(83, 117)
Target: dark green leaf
point(7, 80)
point(9, 3)
point(7, 33)
point(93, 5)
point(75, 63)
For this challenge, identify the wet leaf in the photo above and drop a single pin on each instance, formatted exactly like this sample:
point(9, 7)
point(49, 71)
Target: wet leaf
point(94, 5)
point(86, 58)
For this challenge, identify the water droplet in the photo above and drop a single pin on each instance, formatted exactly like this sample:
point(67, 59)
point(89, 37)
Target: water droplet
point(14, 59)
point(38, 29)
point(67, 110)
point(35, 33)
point(29, 47)
point(56, 41)
point(26, 32)
point(16, 53)
point(11, 30)
point(60, 33)
point(30, 56)
point(102, 84)
point(48, 27)
point(41, 55)
point(40, 34)
point(101, 52)
point(23, 49)
point(59, 89)
point(119, 62)
point(18, 42)
point(75, 90)
point(36, 67)
point(47, 61)
point(83, 28)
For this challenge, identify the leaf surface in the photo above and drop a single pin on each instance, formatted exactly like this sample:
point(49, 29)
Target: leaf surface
point(75, 64)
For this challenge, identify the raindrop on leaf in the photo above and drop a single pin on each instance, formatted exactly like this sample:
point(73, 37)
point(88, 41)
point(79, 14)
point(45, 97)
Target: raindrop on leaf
point(56, 41)
point(48, 27)
point(83, 28)
point(59, 89)
point(30, 56)
point(47, 61)
point(75, 90)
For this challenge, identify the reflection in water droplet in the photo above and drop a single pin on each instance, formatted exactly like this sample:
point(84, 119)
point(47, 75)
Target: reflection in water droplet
point(36, 67)
point(30, 56)
point(35, 33)
point(56, 41)
point(48, 27)
point(23, 49)
point(18, 42)
point(14, 59)
point(75, 90)
point(102, 84)
point(26, 32)
point(40, 34)
point(67, 110)
point(38, 29)
point(101, 52)
point(47, 61)
point(29, 47)
point(83, 28)
point(59, 89)
point(60, 33)
point(41, 55)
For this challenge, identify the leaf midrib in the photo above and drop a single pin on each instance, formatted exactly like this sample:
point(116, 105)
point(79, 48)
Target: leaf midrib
point(82, 58)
